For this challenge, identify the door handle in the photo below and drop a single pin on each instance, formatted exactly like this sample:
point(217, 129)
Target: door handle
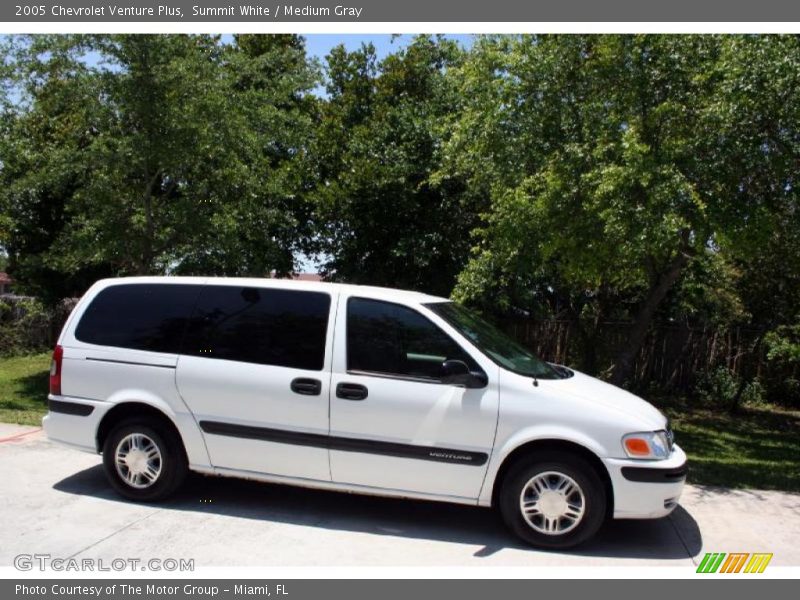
point(306, 386)
point(351, 391)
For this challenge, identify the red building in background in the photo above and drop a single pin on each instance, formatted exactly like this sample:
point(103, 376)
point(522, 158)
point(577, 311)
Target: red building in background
point(5, 283)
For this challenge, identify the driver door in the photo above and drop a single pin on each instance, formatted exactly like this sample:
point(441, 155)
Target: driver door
point(394, 424)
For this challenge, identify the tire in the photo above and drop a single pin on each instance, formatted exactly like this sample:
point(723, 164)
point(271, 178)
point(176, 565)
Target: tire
point(558, 485)
point(158, 449)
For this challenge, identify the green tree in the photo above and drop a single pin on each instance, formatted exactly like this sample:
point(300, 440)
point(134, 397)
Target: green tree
point(40, 156)
point(382, 221)
point(615, 162)
point(154, 153)
point(264, 212)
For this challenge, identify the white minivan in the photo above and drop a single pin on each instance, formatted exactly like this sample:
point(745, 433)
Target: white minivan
point(351, 388)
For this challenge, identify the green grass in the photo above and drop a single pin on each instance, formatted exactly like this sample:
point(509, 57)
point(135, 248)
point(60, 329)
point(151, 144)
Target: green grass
point(23, 388)
point(756, 448)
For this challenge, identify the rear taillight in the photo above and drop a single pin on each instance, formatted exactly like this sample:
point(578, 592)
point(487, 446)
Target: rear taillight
point(55, 371)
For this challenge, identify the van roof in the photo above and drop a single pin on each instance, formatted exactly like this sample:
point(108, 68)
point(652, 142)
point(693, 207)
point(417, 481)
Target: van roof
point(382, 293)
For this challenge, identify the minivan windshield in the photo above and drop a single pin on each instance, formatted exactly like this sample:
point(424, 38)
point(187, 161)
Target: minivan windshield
point(495, 344)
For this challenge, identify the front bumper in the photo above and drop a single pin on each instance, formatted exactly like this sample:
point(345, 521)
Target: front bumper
point(647, 489)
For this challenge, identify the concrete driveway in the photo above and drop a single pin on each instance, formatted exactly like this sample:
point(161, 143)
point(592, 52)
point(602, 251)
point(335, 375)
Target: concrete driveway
point(55, 500)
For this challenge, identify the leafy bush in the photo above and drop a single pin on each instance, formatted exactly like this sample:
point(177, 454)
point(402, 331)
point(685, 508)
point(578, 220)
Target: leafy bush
point(25, 326)
point(783, 345)
point(718, 389)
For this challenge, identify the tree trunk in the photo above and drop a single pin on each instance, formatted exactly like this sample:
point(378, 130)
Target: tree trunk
point(587, 332)
point(588, 346)
point(589, 355)
point(623, 367)
point(736, 401)
point(146, 264)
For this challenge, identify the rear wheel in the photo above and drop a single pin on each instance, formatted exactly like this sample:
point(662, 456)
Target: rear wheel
point(554, 500)
point(144, 460)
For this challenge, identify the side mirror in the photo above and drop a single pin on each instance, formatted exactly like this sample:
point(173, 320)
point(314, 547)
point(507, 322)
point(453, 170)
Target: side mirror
point(456, 372)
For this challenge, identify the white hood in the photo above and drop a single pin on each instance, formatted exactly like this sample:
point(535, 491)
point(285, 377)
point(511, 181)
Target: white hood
point(592, 389)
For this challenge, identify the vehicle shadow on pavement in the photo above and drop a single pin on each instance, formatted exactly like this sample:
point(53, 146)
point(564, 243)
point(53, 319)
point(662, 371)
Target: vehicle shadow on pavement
point(674, 538)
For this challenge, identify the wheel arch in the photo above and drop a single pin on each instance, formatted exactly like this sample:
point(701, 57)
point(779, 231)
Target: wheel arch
point(129, 409)
point(531, 447)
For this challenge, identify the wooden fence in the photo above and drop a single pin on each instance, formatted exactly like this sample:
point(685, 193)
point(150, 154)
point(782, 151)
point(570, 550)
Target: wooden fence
point(672, 357)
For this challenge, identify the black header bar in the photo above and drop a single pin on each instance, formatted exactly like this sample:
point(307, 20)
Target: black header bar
point(454, 11)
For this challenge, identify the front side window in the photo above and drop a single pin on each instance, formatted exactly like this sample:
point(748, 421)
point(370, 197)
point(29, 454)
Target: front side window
point(495, 344)
point(391, 339)
point(284, 328)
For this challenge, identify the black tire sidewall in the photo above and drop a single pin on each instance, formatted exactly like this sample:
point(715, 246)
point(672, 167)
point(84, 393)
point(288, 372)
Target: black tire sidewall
point(173, 460)
point(573, 466)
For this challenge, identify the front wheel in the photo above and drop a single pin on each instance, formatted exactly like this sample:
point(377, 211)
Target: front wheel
point(143, 460)
point(555, 500)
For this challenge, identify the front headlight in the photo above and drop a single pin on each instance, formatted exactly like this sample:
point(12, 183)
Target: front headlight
point(653, 445)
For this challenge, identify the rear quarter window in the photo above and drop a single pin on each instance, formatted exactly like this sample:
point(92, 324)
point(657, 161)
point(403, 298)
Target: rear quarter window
point(149, 317)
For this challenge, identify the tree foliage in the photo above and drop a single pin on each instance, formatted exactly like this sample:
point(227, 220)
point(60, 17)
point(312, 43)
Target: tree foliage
point(163, 153)
point(382, 220)
point(613, 163)
point(636, 179)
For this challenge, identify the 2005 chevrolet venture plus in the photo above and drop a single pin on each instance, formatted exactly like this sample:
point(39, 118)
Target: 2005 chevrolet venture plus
point(352, 388)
